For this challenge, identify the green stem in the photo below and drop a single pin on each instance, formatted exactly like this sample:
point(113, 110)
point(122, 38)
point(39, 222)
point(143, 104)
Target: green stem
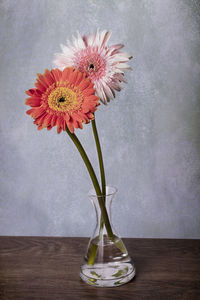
point(101, 165)
point(94, 181)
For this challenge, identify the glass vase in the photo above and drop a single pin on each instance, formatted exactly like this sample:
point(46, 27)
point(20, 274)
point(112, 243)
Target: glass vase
point(106, 262)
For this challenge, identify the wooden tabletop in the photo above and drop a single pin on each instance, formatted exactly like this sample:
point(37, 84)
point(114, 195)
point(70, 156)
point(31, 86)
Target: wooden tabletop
point(48, 268)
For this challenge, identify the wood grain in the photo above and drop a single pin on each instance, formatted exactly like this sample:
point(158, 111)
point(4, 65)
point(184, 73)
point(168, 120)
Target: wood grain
point(48, 268)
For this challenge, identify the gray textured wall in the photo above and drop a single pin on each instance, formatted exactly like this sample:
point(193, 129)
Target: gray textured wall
point(150, 133)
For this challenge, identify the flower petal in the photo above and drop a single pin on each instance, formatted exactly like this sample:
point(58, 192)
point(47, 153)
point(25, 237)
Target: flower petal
point(63, 99)
point(106, 62)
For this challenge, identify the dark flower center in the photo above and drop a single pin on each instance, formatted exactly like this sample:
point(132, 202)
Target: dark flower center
point(91, 66)
point(62, 99)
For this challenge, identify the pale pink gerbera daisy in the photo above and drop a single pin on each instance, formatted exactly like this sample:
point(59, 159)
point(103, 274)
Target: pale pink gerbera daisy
point(104, 65)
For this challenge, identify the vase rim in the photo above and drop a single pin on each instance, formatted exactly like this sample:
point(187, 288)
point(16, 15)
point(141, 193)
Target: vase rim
point(112, 190)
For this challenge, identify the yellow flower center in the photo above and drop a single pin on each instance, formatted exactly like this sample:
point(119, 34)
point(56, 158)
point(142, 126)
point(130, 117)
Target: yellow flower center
point(63, 99)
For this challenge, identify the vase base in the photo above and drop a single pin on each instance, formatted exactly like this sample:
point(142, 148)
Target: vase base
point(107, 275)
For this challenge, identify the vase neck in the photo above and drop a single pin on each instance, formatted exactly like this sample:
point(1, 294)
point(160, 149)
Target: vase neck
point(107, 199)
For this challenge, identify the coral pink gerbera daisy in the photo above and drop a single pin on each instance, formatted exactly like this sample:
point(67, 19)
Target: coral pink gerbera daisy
point(65, 99)
point(104, 65)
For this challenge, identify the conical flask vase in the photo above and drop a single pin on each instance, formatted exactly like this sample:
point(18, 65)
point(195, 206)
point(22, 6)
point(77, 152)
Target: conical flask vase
point(106, 262)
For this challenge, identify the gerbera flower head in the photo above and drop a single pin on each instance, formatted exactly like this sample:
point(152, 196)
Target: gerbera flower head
point(65, 99)
point(104, 65)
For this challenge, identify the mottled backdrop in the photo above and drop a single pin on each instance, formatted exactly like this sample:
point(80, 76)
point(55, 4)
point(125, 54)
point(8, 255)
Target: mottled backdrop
point(150, 133)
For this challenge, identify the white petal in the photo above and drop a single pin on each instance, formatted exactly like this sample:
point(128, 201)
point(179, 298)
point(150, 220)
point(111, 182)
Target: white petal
point(100, 93)
point(123, 66)
point(90, 40)
point(116, 85)
point(108, 91)
point(119, 77)
point(62, 61)
point(106, 38)
point(122, 55)
point(102, 35)
point(80, 42)
point(97, 38)
point(116, 47)
point(66, 50)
